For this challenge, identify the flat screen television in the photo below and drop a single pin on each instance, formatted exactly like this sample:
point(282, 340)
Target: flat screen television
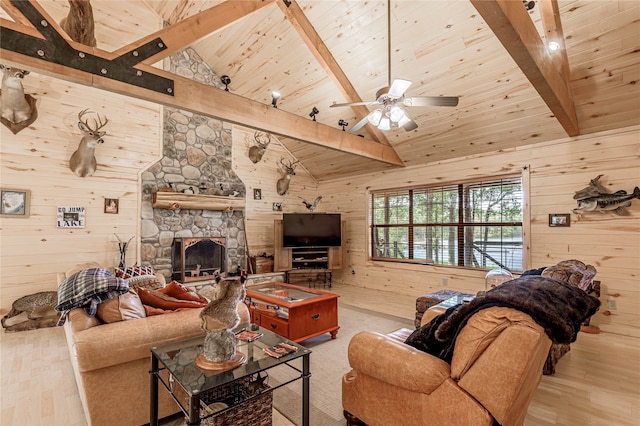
point(311, 230)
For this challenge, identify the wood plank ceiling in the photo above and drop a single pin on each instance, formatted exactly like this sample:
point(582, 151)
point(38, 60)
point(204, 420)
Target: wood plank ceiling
point(444, 47)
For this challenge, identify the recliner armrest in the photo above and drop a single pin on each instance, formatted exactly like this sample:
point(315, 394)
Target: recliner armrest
point(398, 364)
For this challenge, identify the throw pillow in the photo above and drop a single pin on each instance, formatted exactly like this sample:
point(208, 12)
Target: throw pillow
point(87, 289)
point(126, 307)
point(157, 299)
point(175, 289)
point(134, 271)
point(149, 282)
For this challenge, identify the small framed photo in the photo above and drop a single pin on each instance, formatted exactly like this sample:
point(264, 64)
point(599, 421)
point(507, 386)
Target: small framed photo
point(15, 202)
point(111, 205)
point(257, 194)
point(563, 219)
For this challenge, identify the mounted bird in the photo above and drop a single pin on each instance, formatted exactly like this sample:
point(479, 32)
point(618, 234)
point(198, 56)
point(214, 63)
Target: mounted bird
point(311, 206)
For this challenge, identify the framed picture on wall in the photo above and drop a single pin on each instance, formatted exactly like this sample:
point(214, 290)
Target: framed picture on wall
point(15, 202)
point(556, 219)
point(111, 205)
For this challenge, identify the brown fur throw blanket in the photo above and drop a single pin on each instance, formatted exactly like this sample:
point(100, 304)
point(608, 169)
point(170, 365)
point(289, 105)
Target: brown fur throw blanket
point(556, 305)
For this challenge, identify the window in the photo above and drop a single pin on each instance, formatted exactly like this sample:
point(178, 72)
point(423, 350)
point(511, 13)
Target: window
point(470, 224)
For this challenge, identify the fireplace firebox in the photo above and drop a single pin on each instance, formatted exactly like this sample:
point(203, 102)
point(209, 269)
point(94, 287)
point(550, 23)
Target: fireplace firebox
point(197, 258)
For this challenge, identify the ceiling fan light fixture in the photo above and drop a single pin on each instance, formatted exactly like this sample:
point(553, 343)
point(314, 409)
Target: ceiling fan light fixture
point(375, 117)
point(385, 124)
point(396, 114)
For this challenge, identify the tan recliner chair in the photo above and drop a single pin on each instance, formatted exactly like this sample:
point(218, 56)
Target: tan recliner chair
point(496, 367)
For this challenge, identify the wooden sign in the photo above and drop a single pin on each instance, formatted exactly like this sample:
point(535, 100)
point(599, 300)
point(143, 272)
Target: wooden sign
point(71, 217)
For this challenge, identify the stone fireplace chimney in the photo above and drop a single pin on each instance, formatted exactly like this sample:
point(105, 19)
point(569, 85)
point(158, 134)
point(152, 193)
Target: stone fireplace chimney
point(196, 160)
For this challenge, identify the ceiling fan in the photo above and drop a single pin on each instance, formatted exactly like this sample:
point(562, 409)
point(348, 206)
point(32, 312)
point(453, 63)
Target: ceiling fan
point(391, 114)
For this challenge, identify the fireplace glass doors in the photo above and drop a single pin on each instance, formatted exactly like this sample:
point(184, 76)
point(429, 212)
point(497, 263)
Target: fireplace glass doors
point(197, 258)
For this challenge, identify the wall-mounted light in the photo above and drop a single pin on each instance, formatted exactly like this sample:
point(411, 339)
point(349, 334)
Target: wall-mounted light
point(342, 124)
point(553, 46)
point(274, 99)
point(313, 113)
point(226, 81)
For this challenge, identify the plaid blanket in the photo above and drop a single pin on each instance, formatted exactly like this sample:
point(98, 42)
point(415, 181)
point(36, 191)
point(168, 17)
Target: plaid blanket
point(86, 289)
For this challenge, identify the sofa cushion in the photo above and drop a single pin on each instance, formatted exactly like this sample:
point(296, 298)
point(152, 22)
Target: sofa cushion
point(125, 307)
point(87, 289)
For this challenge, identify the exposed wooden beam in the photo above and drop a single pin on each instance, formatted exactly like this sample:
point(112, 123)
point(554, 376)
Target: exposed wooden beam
point(511, 23)
point(552, 25)
point(202, 99)
point(196, 27)
point(301, 23)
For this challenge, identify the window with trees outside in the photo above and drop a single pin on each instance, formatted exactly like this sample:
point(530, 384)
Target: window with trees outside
point(471, 224)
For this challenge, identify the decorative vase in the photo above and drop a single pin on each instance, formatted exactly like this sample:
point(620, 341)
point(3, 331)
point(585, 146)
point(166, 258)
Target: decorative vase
point(122, 246)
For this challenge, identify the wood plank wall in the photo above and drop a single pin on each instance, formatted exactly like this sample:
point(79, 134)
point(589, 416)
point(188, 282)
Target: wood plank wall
point(557, 169)
point(34, 249)
point(259, 214)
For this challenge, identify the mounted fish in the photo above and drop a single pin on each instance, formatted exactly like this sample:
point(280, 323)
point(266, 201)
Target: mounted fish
point(18, 109)
point(595, 197)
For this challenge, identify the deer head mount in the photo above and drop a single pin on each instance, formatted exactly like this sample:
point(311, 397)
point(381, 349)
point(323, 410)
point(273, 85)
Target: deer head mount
point(256, 152)
point(79, 24)
point(289, 170)
point(18, 110)
point(83, 160)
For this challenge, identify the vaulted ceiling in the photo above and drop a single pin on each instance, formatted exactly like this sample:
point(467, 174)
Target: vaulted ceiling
point(317, 53)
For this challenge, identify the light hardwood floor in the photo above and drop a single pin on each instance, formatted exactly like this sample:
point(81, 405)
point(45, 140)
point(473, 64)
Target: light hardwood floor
point(596, 383)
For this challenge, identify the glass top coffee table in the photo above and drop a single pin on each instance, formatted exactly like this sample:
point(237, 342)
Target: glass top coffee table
point(179, 360)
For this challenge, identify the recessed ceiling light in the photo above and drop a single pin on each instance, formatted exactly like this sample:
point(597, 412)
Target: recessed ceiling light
point(554, 46)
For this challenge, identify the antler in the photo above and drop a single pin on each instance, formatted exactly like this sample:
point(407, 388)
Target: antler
point(259, 137)
point(97, 123)
point(288, 168)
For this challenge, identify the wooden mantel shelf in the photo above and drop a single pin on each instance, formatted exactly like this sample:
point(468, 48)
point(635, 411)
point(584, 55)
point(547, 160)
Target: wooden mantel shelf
point(178, 200)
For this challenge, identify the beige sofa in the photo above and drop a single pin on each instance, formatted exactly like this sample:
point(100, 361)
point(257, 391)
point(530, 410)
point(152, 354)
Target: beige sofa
point(111, 361)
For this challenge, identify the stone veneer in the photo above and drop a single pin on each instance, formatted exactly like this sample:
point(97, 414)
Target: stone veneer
point(196, 157)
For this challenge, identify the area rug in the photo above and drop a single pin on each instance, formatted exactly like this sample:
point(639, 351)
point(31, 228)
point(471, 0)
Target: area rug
point(328, 364)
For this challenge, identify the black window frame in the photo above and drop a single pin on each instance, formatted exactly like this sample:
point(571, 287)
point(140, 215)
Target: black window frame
point(465, 245)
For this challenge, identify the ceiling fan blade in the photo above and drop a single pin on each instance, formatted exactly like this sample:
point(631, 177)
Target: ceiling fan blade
point(353, 103)
point(431, 101)
point(410, 125)
point(359, 124)
point(398, 87)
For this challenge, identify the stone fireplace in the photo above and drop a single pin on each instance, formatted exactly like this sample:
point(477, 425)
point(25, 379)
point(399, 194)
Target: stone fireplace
point(196, 160)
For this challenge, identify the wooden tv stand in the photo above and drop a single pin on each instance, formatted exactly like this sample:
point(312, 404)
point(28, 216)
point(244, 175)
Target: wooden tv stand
point(294, 312)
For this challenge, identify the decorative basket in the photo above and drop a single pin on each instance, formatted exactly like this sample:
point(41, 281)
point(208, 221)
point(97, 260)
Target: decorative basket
point(238, 395)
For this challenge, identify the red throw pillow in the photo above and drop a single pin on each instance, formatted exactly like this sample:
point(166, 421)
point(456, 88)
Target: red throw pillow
point(174, 289)
point(157, 299)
